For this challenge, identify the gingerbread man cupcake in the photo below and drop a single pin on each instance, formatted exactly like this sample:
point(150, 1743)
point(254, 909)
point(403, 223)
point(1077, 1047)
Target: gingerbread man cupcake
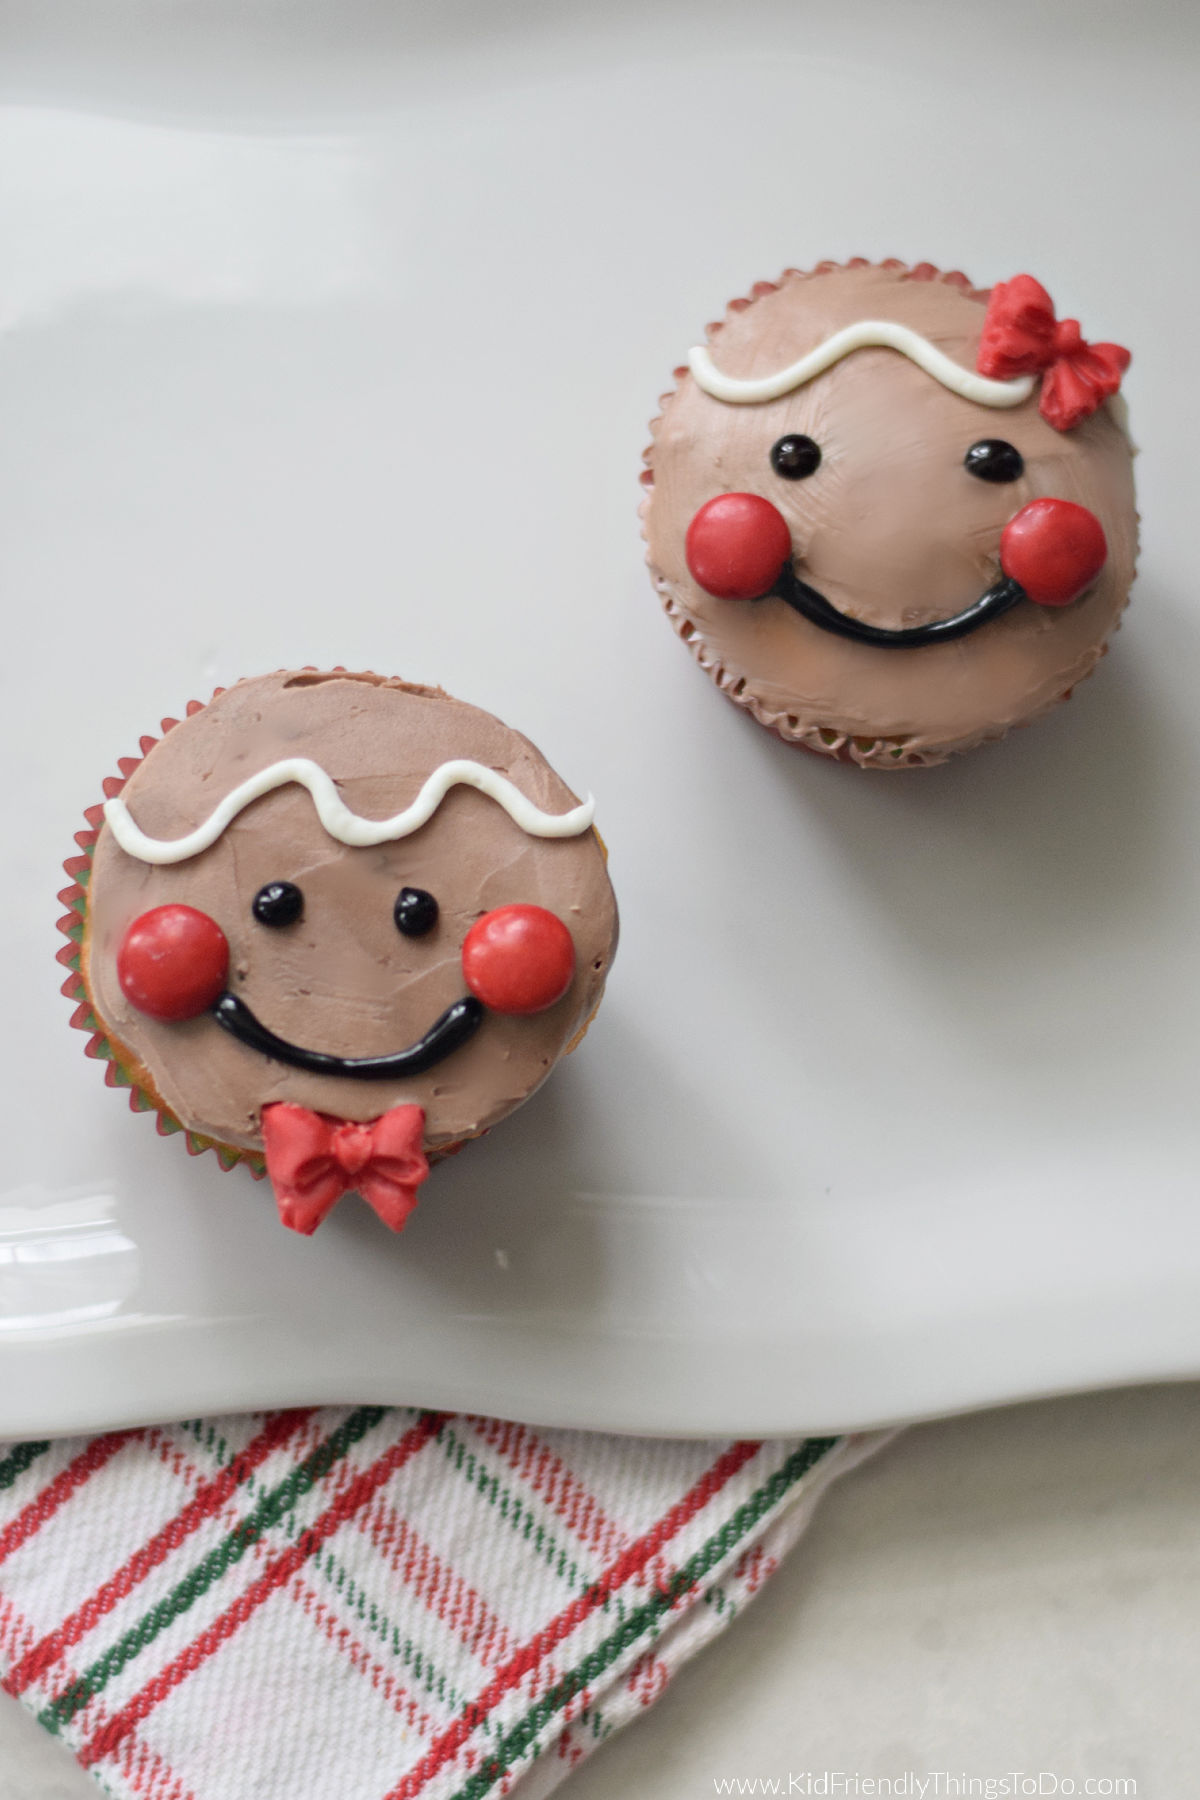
point(334, 926)
point(891, 514)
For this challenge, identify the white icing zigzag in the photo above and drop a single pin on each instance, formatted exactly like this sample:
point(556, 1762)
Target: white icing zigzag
point(864, 334)
point(346, 826)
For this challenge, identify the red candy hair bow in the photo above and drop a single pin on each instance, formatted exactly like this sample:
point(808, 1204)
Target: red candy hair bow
point(1021, 336)
point(313, 1160)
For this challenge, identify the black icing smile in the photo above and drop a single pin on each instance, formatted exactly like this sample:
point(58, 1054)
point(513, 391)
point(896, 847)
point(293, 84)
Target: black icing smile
point(998, 599)
point(449, 1032)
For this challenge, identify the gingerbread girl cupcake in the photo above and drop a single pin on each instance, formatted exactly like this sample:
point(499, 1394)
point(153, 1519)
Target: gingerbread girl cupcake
point(334, 926)
point(891, 514)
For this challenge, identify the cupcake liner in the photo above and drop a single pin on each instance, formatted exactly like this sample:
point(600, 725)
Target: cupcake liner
point(121, 1070)
point(886, 753)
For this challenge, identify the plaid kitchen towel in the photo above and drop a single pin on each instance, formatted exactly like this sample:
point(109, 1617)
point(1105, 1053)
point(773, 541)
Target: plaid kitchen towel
point(374, 1603)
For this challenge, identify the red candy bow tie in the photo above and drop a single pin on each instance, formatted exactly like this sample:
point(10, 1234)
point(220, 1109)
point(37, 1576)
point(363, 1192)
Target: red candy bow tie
point(1021, 336)
point(313, 1160)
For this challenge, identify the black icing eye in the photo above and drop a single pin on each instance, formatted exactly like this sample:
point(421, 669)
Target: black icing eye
point(992, 459)
point(279, 903)
point(795, 457)
point(415, 912)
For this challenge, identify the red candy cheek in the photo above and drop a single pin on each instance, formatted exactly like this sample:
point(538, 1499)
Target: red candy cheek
point(172, 962)
point(1055, 549)
point(518, 959)
point(736, 546)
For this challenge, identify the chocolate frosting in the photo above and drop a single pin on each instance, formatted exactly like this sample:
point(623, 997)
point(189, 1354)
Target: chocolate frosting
point(343, 979)
point(890, 527)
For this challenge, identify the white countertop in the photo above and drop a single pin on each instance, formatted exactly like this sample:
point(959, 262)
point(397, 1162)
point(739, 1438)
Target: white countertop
point(1015, 1591)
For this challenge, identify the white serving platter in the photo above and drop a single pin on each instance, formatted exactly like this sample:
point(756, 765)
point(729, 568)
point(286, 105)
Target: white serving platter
point(330, 336)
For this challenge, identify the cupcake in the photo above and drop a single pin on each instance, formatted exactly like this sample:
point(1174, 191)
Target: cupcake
point(892, 514)
point(333, 926)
